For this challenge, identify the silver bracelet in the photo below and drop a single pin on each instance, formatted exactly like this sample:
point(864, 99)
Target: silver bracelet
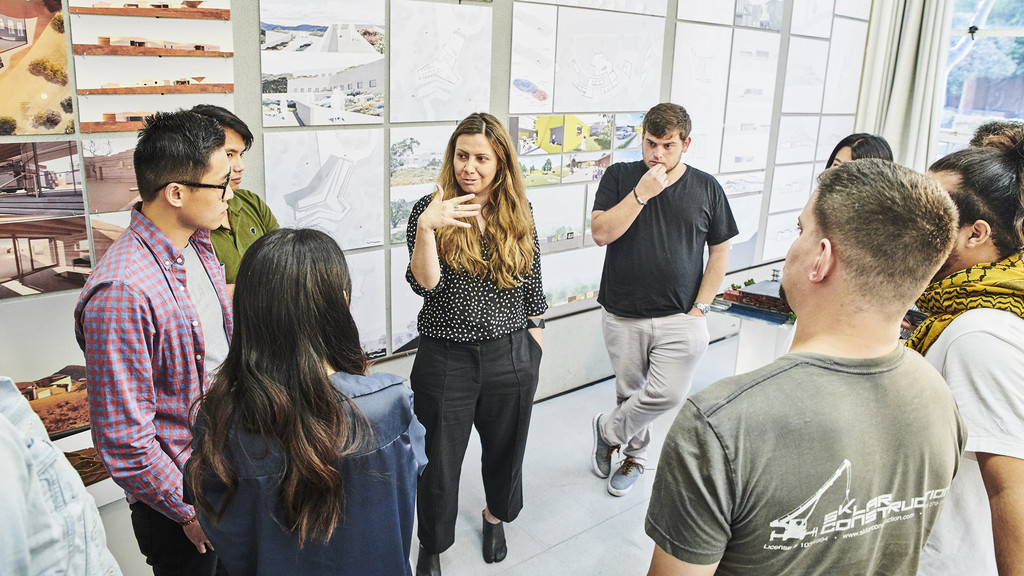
point(637, 196)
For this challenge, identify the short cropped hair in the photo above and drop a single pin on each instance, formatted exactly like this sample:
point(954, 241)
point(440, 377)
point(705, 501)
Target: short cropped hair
point(891, 227)
point(667, 117)
point(226, 119)
point(991, 188)
point(998, 134)
point(174, 146)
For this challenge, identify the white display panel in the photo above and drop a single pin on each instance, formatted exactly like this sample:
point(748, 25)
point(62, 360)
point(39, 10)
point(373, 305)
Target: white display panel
point(743, 247)
point(805, 76)
point(812, 17)
point(746, 183)
point(780, 232)
point(652, 7)
point(368, 304)
point(797, 138)
point(791, 187)
point(572, 276)
point(699, 83)
point(533, 59)
point(832, 130)
point(405, 304)
point(854, 8)
point(704, 11)
point(748, 113)
point(845, 62)
point(558, 216)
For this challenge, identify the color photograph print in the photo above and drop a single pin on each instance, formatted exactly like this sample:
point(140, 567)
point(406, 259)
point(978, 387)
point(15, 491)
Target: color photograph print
point(328, 180)
point(627, 156)
point(405, 305)
point(110, 173)
point(40, 179)
point(322, 62)
point(558, 216)
point(537, 134)
point(440, 61)
point(572, 279)
point(607, 61)
point(541, 170)
point(416, 158)
point(108, 75)
point(699, 83)
point(588, 132)
point(367, 272)
point(128, 112)
point(106, 228)
point(585, 167)
point(35, 92)
point(60, 400)
point(41, 256)
point(629, 129)
point(103, 35)
point(533, 58)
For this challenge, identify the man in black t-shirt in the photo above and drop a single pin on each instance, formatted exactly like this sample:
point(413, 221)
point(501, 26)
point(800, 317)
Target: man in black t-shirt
point(656, 216)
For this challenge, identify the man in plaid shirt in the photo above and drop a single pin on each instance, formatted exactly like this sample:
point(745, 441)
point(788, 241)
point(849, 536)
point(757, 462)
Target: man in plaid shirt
point(153, 319)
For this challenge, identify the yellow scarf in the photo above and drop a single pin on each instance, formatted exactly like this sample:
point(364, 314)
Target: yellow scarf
point(998, 285)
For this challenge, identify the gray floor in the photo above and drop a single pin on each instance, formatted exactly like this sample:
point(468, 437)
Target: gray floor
point(570, 524)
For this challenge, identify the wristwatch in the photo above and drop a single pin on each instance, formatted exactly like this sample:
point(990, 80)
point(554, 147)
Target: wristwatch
point(531, 323)
point(704, 308)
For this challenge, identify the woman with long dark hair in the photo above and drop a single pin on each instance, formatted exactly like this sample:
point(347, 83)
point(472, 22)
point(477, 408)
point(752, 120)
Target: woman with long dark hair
point(857, 146)
point(475, 260)
point(301, 463)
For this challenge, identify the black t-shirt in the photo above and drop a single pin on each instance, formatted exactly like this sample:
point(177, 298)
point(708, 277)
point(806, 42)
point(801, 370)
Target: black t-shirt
point(655, 268)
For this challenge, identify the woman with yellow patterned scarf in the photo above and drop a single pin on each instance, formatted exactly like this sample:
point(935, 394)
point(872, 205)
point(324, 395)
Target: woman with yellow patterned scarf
point(974, 336)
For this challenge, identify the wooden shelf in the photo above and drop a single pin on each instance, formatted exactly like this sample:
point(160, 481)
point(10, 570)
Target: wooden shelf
point(193, 13)
point(111, 126)
point(96, 49)
point(171, 89)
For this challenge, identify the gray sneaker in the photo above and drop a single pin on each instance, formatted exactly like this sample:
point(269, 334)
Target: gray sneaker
point(622, 481)
point(601, 456)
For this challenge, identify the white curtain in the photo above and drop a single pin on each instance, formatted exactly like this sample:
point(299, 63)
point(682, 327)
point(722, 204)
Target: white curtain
point(904, 76)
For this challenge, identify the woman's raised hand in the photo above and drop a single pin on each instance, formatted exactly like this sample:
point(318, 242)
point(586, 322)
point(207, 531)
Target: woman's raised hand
point(441, 213)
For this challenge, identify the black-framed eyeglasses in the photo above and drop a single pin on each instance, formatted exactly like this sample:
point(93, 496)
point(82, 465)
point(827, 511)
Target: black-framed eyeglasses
point(222, 187)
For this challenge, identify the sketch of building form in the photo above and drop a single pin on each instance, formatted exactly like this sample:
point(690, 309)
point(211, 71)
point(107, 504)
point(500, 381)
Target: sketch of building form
point(812, 17)
point(832, 130)
point(321, 204)
point(745, 183)
point(699, 84)
point(607, 61)
point(443, 65)
point(805, 76)
point(791, 187)
point(845, 62)
point(533, 58)
point(779, 233)
point(797, 138)
point(751, 94)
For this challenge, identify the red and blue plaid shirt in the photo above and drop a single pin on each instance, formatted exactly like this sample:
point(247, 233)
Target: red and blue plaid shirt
point(144, 353)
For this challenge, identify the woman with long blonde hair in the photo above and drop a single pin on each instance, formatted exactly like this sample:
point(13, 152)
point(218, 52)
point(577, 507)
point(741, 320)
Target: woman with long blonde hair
point(475, 260)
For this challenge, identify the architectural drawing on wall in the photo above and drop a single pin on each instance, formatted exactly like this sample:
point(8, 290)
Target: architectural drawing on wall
point(106, 228)
point(813, 17)
point(791, 187)
point(704, 11)
point(110, 173)
point(153, 75)
point(192, 9)
point(329, 180)
point(127, 112)
point(40, 256)
point(763, 14)
point(797, 138)
point(40, 179)
point(416, 157)
point(652, 7)
point(35, 96)
point(628, 130)
point(607, 61)
point(755, 56)
point(558, 215)
point(133, 36)
point(368, 301)
point(572, 279)
point(699, 81)
point(588, 132)
point(533, 58)
point(743, 247)
point(440, 60)
point(845, 62)
point(805, 76)
point(744, 183)
point(541, 170)
point(322, 63)
point(405, 305)
point(537, 134)
point(779, 233)
point(832, 130)
point(584, 166)
point(60, 400)
point(860, 9)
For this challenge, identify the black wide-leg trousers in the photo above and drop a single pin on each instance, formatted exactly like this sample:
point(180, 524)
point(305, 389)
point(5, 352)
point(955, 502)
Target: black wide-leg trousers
point(458, 385)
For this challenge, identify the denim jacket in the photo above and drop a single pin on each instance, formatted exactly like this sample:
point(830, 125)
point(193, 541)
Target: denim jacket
point(51, 524)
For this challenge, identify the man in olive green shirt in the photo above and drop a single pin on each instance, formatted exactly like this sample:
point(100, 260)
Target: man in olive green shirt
point(248, 216)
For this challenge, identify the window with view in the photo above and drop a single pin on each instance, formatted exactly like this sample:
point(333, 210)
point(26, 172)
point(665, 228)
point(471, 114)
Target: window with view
point(985, 71)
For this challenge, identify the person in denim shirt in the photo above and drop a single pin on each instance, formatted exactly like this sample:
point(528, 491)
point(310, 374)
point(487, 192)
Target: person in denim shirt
point(51, 524)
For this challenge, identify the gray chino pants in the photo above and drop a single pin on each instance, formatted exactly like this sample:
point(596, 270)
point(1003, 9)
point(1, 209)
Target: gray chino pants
point(654, 360)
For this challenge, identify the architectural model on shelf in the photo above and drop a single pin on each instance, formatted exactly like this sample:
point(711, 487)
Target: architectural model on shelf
point(196, 9)
point(139, 46)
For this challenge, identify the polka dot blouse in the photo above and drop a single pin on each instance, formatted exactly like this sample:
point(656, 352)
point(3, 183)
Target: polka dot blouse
point(468, 309)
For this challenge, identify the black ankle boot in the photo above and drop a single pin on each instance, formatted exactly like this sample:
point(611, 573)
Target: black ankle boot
point(428, 564)
point(495, 549)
